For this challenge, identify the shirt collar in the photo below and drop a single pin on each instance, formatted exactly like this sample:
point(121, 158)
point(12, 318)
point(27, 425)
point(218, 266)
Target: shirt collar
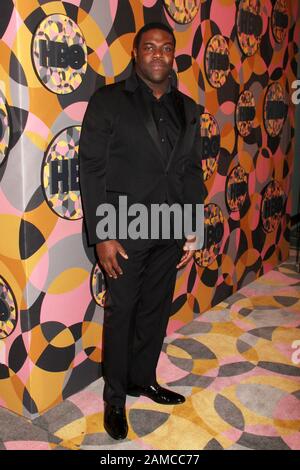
point(144, 85)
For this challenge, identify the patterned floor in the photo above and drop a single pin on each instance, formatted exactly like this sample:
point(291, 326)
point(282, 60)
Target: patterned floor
point(238, 366)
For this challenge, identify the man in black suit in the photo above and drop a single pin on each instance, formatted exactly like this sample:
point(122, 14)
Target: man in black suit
point(139, 139)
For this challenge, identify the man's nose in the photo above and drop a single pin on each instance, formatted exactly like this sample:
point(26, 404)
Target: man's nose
point(158, 52)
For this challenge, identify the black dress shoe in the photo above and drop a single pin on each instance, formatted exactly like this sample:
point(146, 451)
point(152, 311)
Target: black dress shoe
point(157, 393)
point(115, 423)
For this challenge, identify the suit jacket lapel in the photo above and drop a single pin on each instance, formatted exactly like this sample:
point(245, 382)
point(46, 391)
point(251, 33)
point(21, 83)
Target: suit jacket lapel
point(190, 123)
point(184, 110)
point(147, 118)
point(181, 114)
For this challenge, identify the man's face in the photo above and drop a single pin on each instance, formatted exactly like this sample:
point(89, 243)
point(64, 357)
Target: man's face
point(155, 55)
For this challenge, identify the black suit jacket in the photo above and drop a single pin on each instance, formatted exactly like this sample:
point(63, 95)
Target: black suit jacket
point(120, 153)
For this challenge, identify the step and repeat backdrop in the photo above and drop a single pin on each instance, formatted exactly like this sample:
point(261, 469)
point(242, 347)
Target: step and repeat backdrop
point(237, 59)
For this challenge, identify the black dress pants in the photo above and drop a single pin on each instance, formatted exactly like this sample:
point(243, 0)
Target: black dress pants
point(136, 314)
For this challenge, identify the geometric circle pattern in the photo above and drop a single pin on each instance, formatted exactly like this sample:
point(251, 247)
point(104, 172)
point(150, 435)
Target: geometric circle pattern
point(59, 54)
point(8, 310)
point(280, 20)
point(245, 113)
point(274, 109)
point(249, 26)
point(217, 65)
point(183, 11)
point(213, 234)
point(60, 174)
point(210, 144)
point(237, 188)
point(272, 206)
point(98, 286)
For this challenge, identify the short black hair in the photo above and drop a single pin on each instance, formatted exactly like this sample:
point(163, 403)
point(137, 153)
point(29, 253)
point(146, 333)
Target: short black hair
point(148, 27)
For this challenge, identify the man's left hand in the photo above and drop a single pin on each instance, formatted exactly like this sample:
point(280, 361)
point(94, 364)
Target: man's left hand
point(189, 248)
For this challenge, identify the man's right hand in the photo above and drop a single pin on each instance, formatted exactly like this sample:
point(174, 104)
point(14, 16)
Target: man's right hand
point(107, 255)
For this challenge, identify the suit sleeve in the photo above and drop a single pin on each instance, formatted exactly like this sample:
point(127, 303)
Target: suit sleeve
point(195, 191)
point(93, 155)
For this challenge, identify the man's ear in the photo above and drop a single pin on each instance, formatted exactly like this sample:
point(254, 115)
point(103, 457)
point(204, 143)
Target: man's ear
point(134, 53)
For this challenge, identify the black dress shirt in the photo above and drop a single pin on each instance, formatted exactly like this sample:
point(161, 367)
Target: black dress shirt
point(166, 115)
